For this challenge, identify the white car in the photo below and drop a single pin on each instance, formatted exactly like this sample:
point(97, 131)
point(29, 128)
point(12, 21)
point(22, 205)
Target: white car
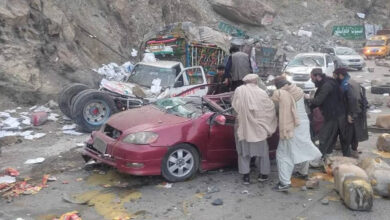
point(298, 70)
point(349, 58)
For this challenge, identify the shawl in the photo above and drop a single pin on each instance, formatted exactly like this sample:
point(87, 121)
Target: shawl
point(255, 113)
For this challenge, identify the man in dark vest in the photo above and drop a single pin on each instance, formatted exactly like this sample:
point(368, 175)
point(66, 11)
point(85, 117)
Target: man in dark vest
point(237, 67)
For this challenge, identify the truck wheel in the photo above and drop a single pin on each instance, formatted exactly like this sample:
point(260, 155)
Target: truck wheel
point(92, 109)
point(67, 94)
point(180, 163)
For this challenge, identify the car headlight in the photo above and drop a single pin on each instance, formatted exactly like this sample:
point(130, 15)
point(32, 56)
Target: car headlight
point(144, 137)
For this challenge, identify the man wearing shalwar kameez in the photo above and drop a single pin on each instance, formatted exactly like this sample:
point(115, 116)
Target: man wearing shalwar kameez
point(256, 121)
point(295, 145)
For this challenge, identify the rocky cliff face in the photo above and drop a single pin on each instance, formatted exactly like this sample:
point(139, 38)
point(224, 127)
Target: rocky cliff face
point(46, 44)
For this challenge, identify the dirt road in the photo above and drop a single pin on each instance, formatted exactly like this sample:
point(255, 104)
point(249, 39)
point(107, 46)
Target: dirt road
point(106, 194)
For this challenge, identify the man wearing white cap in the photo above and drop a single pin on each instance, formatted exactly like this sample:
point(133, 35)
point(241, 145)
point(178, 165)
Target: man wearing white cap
point(256, 121)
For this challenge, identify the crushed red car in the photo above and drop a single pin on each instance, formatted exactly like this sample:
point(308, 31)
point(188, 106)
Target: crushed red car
point(173, 137)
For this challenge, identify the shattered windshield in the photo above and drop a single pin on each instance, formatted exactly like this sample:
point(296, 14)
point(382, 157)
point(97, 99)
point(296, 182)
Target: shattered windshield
point(307, 61)
point(188, 107)
point(345, 51)
point(375, 43)
point(144, 75)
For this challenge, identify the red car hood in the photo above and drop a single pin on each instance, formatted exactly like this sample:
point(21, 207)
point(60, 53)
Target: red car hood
point(142, 119)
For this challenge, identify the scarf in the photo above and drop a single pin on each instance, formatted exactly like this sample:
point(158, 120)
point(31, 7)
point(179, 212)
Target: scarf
point(287, 96)
point(345, 83)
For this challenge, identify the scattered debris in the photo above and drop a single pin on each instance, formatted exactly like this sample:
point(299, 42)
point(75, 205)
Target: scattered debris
point(69, 216)
point(165, 185)
point(39, 118)
point(72, 132)
point(212, 189)
point(302, 33)
point(375, 111)
point(6, 179)
point(52, 104)
point(303, 188)
point(53, 117)
point(325, 201)
point(35, 136)
point(42, 109)
point(15, 189)
point(52, 179)
point(312, 183)
point(113, 71)
point(12, 172)
point(245, 192)
point(35, 161)
point(217, 202)
point(69, 127)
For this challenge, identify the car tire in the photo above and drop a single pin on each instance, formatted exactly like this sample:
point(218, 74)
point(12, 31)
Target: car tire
point(92, 119)
point(66, 96)
point(380, 90)
point(168, 165)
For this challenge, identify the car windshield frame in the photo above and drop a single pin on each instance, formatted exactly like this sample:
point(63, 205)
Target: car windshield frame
point(144, 75)
point(376, 43)
point(345, 51)
point(187, 107)
point(298, 61)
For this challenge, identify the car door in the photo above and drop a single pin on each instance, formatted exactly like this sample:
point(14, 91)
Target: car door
point(329, 65)
point(221, 147)
point(191, 81)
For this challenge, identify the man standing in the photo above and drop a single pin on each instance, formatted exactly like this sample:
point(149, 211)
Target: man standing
point(237, 67)
point(328, 99)
point(295, 145)
point(256, 121)
point(355, 125)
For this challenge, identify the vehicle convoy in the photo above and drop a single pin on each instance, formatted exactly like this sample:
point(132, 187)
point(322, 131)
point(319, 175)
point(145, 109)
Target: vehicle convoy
point(173, 137)
point(90, 108)
point(345, 57)
point(298, 70)
point(377, 46)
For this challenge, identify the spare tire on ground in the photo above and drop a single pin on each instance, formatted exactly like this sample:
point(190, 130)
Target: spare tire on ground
point(92, 108)
point(66, 96)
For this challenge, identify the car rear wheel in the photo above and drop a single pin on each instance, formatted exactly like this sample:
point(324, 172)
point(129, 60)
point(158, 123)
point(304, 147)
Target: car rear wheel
point(91, 109)
point(180, 163)
point(66, 96)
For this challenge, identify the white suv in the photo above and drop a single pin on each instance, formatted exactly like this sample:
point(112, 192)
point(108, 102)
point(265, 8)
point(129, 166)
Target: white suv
point(298, 70)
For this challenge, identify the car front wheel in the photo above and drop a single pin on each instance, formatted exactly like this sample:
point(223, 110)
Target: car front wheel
point(180, 163)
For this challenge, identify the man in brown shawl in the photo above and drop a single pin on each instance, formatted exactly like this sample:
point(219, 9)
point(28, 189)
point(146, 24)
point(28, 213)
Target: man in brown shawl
point(295, 145)
point(256, 121)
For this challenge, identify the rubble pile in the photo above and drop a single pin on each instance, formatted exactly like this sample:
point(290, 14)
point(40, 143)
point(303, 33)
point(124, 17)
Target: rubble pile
point(46, 45)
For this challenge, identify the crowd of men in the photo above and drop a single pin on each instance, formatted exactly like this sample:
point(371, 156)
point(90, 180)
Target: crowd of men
point(340, 100)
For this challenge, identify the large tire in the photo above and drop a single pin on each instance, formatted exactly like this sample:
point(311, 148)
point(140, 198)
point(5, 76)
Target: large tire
point(182, 157)
point(67, 94)
point(380, 90)
point(92, 109)
point(73, 100)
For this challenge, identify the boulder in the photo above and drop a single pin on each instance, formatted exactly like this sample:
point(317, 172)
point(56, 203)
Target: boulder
point(383, 121)
point(252, 12)
point(357, 193)
point(383, 142)
point(334, 161)
point(378, 173)
point(342, 171)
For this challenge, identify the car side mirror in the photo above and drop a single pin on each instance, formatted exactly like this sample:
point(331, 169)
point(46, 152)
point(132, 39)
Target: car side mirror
point(178, 84)
point(220, 119)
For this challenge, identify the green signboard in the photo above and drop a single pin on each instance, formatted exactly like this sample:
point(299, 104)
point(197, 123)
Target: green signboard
point(349, 32)
point(229, 29)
